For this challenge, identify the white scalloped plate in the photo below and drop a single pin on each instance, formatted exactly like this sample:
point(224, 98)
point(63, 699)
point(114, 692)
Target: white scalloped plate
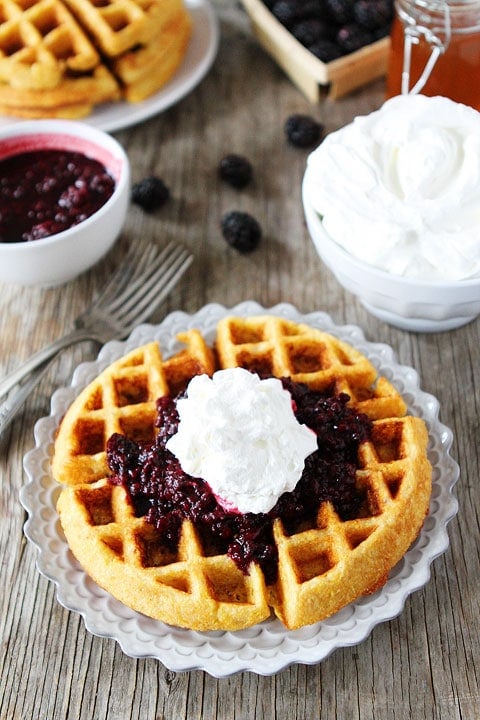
point(267, 647)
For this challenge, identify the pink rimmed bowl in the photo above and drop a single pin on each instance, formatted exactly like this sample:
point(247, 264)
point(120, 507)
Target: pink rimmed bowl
point(60, 257)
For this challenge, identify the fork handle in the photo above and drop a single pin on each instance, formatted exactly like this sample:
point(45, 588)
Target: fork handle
point(75, 336)
point(10, 406)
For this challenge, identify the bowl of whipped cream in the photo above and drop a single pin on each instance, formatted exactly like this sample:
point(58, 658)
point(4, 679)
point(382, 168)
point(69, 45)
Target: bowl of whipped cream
point(392, 203)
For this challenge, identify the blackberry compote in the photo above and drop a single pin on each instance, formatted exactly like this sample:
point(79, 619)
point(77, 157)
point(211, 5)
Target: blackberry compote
point(165, 495)
point(44, 192)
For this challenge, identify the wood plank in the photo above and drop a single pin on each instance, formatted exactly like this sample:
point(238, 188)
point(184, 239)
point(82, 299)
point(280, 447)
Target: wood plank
point(422, 665)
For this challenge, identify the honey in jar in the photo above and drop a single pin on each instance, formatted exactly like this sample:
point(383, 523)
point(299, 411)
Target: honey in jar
point(435, 50)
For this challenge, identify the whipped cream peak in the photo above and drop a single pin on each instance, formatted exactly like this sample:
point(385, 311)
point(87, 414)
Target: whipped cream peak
point(240, 435)
point(400, 188)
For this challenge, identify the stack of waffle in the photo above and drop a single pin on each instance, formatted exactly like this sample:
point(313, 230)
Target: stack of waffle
point(60, 59)
point(321, 567)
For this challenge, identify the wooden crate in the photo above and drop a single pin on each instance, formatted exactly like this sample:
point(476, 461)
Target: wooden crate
point(313, 77)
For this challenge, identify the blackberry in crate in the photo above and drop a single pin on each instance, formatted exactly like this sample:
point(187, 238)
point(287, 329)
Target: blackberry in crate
point(236, 170)
point(352, 37)
point(150, 193)
point(382, 32)
point(330, 29)
point(308, 32)
point(303, 130)
point(313, 9)
point(339, 11)
point(287, 11)
point(373, 14)
point(326, 50)
point(241, 230)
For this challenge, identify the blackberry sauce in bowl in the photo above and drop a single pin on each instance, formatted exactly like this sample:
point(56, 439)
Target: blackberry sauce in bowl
point(64, 195)
point(44, 192)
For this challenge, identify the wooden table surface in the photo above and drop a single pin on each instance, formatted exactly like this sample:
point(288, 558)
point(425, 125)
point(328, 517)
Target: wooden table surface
point(422, 664)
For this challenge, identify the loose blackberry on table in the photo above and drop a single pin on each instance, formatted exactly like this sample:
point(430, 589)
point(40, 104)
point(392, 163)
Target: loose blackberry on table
point(303, 130)
point(150, 193)
point(241, 230)
point(236, 170)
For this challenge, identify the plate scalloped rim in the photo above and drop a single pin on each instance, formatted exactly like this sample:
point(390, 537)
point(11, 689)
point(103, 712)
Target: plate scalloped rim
point(268, 647)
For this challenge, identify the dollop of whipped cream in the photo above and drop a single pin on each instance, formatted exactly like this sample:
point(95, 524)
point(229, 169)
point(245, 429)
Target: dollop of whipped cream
point(400, 188)
point(239, 434)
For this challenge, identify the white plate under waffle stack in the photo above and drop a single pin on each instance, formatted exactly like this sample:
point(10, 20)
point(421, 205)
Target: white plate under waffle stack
point(199, 57)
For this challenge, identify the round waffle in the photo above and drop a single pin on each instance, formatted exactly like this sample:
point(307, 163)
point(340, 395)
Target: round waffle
point(60, 58)
point(321, 568)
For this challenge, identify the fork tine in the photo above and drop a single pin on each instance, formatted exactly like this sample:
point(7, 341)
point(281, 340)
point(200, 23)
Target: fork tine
point(154, 284)
point(134, 264)
point(155, 275)
point(127, 298)
point(156, 289)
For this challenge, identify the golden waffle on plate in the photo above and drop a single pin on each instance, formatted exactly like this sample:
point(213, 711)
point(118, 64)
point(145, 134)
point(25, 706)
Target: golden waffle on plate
point(74, 97)
point(122, 554)
point(324, 568)
point(148, 67)
point(323, 563)
point(271, 345)
point(40, 43)
point(61, 58)
point(122, 399)
point(120, 25)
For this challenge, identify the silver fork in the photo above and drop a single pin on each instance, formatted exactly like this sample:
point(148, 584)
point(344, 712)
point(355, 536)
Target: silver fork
point(130, 297)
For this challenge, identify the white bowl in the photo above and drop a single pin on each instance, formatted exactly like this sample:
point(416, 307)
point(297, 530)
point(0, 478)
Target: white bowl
point(409, 304)
point(58, 258)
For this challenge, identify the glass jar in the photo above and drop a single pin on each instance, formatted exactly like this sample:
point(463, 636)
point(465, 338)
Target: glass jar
point(435, 49)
